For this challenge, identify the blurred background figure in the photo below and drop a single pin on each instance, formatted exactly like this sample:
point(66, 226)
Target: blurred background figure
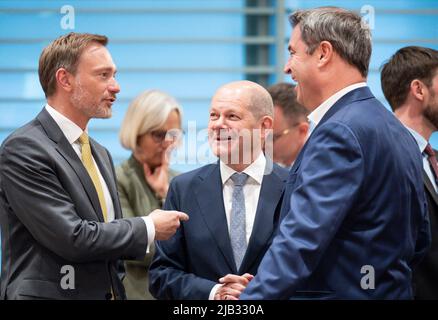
point(290, 124)
point(410, 84)
point(151, 129)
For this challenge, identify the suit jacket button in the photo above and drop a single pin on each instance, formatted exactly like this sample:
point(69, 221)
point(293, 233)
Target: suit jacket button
point(108, 296)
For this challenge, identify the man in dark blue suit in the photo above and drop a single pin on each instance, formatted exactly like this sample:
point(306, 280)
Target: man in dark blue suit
point(354, 213)
point(231, 223)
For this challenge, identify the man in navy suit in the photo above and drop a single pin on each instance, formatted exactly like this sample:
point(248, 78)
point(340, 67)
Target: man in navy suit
point(354, 213)
point(227, 234)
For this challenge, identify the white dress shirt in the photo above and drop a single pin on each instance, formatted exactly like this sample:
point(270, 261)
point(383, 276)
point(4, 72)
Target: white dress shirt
point(72, 132)
point(316, 115)
point(251, 191)
point(422, 143)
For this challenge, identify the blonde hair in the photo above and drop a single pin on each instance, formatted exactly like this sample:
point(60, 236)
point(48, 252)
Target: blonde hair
point(147, 112)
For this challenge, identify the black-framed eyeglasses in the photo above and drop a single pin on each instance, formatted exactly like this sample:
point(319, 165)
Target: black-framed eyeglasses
point(171, 135)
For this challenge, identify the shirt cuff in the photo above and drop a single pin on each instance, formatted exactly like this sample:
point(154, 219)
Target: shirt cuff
point(150, 227)
point(213, 291)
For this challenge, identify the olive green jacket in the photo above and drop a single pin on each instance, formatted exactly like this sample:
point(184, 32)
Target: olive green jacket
point(137, 199)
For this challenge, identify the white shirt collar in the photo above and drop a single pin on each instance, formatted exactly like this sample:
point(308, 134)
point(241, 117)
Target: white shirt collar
point(255, 170)
point(422, 143)
point(70, 129)
point(316, 115)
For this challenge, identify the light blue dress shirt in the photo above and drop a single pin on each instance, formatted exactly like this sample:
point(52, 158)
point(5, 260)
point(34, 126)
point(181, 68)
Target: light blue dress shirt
point(422, 143)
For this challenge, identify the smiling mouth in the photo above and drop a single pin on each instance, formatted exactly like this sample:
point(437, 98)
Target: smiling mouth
point(224, 138)
point(223, 135)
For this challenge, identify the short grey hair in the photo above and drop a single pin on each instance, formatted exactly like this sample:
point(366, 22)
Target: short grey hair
point(147, 112)
point(345, 30)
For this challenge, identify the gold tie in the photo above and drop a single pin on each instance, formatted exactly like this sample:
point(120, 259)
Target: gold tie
point(87, 160)
point(92, 171)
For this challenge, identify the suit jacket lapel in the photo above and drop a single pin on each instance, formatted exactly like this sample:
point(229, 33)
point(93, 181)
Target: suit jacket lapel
point(270, 195)
point(67, 152)
point(358, 94)
point(429, 187)
point(209, 194)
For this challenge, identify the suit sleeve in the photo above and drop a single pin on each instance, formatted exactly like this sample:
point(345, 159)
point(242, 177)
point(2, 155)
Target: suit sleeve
point(129, 211)
point(36, 196)
point(169, 274)
point(424, 238)
point(325, 187)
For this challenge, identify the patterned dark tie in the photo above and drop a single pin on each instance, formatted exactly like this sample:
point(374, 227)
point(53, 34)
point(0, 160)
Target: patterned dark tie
point(432, 160)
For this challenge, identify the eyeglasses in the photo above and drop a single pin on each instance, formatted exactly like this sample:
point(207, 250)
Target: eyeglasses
point(171, 135)
point(276, 136)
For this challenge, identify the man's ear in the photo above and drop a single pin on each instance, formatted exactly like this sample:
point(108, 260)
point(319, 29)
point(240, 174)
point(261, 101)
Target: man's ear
point(325, 53)
point(418, 89)
point(303, 128)
point(64, 79)
point(266, 127)
point(267, 122)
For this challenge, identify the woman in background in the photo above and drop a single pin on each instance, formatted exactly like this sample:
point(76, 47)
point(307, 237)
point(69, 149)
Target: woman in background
point(150, 129)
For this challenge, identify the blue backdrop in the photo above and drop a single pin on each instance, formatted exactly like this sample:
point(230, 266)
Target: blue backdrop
point(187, 48)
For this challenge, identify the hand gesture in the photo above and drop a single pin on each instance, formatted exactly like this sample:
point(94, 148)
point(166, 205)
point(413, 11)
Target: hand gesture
point(166, 222)
point(158, 180)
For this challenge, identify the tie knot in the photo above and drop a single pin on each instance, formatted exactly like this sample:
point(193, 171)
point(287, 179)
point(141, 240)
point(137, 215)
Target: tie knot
point(83, 139)
point(429, 151)
point(239, 179)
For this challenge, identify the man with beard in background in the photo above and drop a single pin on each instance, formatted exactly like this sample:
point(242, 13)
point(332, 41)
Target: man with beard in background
point(410, 84)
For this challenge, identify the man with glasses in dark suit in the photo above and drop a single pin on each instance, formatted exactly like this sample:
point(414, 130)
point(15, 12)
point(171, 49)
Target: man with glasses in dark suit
point(291, 126)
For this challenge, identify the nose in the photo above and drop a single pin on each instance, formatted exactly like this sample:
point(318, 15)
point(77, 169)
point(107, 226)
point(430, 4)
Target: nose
point(166, 143)
point(286, 68)
point(218, 123)
point(114, 86)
